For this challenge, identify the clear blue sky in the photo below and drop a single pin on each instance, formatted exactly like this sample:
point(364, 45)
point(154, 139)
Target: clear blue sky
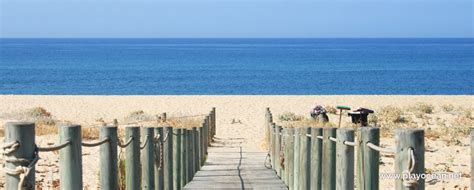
point(236, 18)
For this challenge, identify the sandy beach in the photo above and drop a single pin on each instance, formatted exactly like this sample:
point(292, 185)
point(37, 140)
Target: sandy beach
point(240, 117)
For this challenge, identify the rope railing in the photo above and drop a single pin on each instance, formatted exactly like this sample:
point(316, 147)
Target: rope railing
point(341, 151)
point(126, 144)
point(54, 147)
point(93, 144)
point(154, 150)
point(145, 143)
point(380, 149)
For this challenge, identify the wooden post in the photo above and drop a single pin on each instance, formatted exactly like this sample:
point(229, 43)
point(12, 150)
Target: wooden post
point(108, 159)
point(189, 156)
point(277, 150)
point(291, 155)
point(410, 140)
point(132, 151)
point(214, 131)
point(202, 137)
point(305, 158)
point(184, 156)
point(168, 158)
point(159, 165)
point(316, 158)
point(24, 134)
point(70, 158)
point(296, 160)
point(329, 159)
point(176, 159)
point(472, 157)
point(272, 147)
point(344, 159)
point(163, 117)
point(367, 159)
point(267, 125)
point(197, 146)
point(284, 141)
point(147, 160)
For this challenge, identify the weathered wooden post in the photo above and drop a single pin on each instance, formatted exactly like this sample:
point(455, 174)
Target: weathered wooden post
point(163, 117)
point(70, 157)
point(132, 158)
point(296, 160)
point(284, 141)
point(410, 158)
point(159, 165)
point(197, 146)
point(277, 150)
point(316, 158)
point(189, 156)
point(367, 159)
point(268, 122)
point(272, 146)
point(184, 156)
point(202, 137)
point(176, 159)
point(344, 159)
point(23, 135)
point(329, 159)
point(214, 130)
point(168, 158)
point(147, 160)
point(472, 157)
point(305, 158)
point(108, 158)
point(191, 167)
point(291, 155)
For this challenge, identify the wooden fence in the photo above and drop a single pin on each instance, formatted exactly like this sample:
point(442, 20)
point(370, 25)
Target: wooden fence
point(323, 158)
point(167, 158)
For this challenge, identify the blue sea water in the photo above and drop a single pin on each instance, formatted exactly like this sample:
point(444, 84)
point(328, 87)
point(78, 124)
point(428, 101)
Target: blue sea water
point(237, 66)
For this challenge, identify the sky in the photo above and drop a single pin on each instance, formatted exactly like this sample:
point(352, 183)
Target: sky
point(235, 18)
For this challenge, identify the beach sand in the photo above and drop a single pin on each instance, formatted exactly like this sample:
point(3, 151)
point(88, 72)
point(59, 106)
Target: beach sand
point(247, 112)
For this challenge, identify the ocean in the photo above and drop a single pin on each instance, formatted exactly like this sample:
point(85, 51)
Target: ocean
point(237, 66)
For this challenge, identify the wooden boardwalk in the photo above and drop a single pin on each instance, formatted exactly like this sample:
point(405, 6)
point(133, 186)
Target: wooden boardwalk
point(230, 167)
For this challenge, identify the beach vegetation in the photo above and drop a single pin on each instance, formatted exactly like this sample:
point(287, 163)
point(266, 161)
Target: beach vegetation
point(290, 116)
point(448, 108)
point(420, 109)
point(139, 115)
point(330, 109)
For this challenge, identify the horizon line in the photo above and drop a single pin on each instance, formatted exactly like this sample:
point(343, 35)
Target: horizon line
point(451, 37)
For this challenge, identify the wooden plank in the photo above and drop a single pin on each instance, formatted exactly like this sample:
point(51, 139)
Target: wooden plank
point(24, 133)
point(344, 160)
point(329, 159)
point(407, 140)
point(70, 158)
point(367, 159)
point(316, 158)
point(233, 168)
